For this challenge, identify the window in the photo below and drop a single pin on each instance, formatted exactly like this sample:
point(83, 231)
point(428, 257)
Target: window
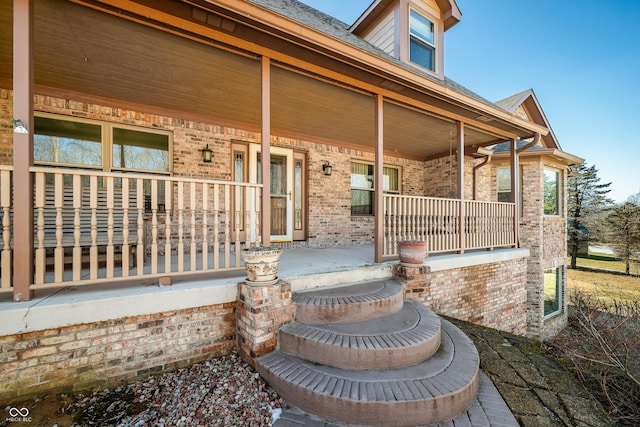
point(551, 192)
point(553, 303)
point(362, 189)
point(93, 144)
point(68, 142)
point(504, 184)
point(422, 41)
point(143, 151)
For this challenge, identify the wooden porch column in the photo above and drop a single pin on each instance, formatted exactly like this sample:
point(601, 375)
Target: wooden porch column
point(515, 188)
point(265, 141)
point(23, 252)
point(378, 181)
point(460, 179)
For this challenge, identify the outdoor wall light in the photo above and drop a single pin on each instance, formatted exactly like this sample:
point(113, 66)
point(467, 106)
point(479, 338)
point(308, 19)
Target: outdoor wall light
point(19, 126)
point(207, 154)
point(327, 168)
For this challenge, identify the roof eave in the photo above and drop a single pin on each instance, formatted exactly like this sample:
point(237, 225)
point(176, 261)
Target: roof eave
point(558, 155)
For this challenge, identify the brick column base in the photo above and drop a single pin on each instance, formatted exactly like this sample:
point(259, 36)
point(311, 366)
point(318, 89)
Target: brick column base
point(260, 312)
point(416, 280)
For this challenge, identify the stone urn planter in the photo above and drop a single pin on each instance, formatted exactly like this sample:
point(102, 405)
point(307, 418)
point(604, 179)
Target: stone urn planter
point(261, 264)
point(412, 252)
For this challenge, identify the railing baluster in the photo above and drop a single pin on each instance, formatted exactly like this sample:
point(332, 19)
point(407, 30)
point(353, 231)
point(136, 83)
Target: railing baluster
point(93, 205)
point(5, 201)
point(193, 246)
point(125, 227)
point(256, 193)
point(110, 248)
point(168, 203)
point(180, 227)
point(140, 227)
point(40, 251)
point(76, 263)
point(58, 194)
point(227, 227)
point(154, 226)
point(205, 226)
point(216, 226)
point(236, 223)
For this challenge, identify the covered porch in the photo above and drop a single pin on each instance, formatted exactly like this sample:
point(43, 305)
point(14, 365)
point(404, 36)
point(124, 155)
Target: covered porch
point(225, 66)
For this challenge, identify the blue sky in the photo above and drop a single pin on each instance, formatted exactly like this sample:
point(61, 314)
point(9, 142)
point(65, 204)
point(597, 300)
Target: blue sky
point(581, 57)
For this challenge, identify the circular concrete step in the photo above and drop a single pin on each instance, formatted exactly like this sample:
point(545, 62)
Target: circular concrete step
point(406, 337)
point(353, 303)
point(428, 392)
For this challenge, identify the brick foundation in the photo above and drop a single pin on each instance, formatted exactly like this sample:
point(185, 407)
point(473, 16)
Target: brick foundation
point(261, 311)
point(492, 295)
point(108, 353)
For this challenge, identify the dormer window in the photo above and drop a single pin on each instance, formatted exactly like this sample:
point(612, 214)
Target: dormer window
point(422, 43)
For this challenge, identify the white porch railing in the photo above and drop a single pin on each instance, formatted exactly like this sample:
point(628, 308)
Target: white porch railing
point(437, 221)
point(92, 227)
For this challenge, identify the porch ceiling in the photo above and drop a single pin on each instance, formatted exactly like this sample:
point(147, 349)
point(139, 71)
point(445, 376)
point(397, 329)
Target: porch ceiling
point(85, 51)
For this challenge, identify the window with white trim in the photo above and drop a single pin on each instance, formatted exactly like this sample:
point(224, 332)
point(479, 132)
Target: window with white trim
point(422, 40)
point(362, 186)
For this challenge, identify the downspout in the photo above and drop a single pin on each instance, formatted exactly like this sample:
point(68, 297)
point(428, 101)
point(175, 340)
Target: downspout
point(485, 161)
point(536, 139)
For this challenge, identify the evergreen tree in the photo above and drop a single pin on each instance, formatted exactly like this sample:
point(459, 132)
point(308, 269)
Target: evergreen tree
point(624, 221)
point(586, 196)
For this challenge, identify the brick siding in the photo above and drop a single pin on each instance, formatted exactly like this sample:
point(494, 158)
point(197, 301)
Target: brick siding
point(491, 295)
point(108, 353)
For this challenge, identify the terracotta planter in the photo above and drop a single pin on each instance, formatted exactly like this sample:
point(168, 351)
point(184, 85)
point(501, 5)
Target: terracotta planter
point(412, 252)
point(261, 264)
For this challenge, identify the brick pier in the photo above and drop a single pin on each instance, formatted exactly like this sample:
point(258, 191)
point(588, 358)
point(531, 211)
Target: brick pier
point(260, 312)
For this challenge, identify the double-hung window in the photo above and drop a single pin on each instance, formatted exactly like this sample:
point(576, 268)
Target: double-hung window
point(362, 186)
point(422, 40)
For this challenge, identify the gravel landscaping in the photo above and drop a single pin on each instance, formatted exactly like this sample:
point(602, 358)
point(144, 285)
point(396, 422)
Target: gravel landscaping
point(224, 391)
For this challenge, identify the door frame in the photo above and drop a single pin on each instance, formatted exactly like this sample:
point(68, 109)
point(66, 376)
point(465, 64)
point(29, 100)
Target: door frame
point(254, 150)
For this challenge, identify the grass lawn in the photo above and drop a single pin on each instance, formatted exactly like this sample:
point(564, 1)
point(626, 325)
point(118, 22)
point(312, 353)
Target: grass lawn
point(605, 262)
point(604, 286)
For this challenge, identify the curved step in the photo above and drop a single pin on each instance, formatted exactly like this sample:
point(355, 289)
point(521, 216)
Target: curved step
point(406, 337)
point(431, 391)
point(353, 303)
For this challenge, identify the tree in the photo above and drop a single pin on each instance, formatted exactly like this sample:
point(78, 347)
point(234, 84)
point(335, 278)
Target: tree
point(624, 221)
point(586, 196)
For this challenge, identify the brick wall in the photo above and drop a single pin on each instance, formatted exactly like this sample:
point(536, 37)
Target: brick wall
point(492, 294)
point(107, 353)
point(440, 177)
point(545, 237)
point(6, 127)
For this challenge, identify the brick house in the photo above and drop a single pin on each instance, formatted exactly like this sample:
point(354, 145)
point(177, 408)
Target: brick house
point(136, 132)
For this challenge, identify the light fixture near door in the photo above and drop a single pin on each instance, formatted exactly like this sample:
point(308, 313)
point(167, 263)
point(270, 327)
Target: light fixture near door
point(207, 154)
point(327, 169)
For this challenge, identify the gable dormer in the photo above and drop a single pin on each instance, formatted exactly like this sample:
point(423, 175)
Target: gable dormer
point(410, 30)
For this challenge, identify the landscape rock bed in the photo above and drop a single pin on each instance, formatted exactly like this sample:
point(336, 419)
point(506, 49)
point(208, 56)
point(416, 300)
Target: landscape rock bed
point(223, 391)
